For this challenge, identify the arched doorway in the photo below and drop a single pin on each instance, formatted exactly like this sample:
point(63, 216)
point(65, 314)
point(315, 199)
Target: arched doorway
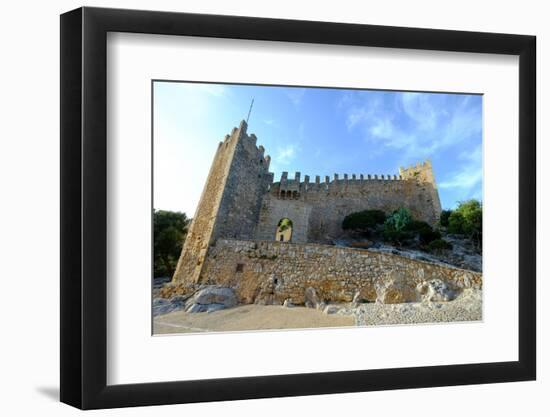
point(284, 230)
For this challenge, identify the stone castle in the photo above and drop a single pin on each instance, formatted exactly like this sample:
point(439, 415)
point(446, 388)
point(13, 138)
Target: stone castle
point(261, 236)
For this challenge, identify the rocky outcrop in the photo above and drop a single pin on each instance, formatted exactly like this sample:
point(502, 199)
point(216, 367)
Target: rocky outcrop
point(211, 298)
point(288, 303)
point(435, 290)
point(394, 289)
point(215, 295)
point(206, 299)
point(168, 305)
point(311, 299)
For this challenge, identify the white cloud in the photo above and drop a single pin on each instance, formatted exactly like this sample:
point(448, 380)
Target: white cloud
point(417, 106)
point(416, 124)
point(466, 178)
point(377, 124)
point(382, 127)
point(295, 95)
point(285, 155)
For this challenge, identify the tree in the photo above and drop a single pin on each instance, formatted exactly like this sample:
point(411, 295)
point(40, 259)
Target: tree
point(169, 231)
point(467, 220)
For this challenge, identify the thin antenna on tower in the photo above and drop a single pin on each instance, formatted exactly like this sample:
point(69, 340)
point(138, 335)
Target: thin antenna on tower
point(249, 111)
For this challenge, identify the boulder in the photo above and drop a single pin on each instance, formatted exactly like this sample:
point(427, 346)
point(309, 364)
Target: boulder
point(311, 299)
point(179, 299)
point(331, 309)
point(196, 308)
point(164, 306)
point(214, 307)
point(396, 288)
point(208, 299)
point(435, 290)
point(215, 295)
point(160, 301)
point(357, 299)
point(288, 303)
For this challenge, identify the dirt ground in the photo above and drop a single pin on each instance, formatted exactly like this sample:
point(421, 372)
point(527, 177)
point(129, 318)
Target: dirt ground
point(247, 317)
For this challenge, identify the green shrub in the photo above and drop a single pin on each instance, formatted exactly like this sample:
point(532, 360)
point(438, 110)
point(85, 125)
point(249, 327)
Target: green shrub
point(416, 225)
point(397, 237)
point(428, 235)
point(423, 230)
point(439, 245)
point(363, 220)
point(398, 220)
point(396, 226)
point(444, 218)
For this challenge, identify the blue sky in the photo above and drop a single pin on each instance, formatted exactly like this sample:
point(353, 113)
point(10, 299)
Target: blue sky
point(316, 131)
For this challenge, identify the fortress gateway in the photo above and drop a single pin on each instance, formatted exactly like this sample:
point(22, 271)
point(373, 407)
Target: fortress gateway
point(255, 235)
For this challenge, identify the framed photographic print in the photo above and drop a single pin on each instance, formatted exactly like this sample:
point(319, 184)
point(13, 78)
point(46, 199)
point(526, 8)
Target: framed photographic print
point(257, 207)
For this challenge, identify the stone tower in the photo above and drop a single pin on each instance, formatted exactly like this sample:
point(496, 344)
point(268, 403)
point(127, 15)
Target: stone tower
point(230, 203)
point(423, 175)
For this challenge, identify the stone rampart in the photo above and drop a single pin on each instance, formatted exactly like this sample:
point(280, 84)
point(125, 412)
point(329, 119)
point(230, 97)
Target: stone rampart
point(272, 272)
point(317, 210)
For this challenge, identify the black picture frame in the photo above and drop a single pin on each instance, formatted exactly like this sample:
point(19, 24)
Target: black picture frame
point(84, 207)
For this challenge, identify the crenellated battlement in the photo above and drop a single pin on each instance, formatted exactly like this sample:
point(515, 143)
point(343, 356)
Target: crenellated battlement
point(239, 134)
point(293, 188)
point(326, 179)
point(421, 172)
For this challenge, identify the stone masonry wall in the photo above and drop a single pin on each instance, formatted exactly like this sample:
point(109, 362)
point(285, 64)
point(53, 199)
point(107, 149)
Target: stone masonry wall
point(318, 209)
point(274, 209)
point(199, 235)
point(271, 272)
point(247, 182)
point(230, 202)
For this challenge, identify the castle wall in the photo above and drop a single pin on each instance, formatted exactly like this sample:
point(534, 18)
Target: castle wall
point(318, 209)
point(269, 271)
point(274, 209)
